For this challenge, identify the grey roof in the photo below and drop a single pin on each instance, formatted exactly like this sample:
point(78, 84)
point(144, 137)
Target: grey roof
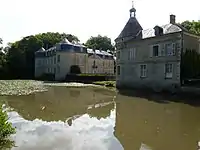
point(98, 52)
point(41, 49)
point(65, 40)
point(132, 28)
point(168, 28)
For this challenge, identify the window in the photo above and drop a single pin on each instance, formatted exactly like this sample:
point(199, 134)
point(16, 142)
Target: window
point(81, 60)
point(54, 70)
point(155, 50)
point(58, 69)
point(118, 70)
point(132, 53)
point(168, 70)
point(170, 49)
point(58, 59)
point(118, 55)
point(39, 62)
point(54, 59)
point(143, 71)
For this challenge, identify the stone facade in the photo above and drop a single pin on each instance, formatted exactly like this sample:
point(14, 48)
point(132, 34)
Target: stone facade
point(152, 58)
point(59, 59)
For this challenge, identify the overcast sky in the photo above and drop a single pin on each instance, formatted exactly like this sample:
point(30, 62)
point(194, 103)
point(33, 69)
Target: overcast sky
point(85, 18)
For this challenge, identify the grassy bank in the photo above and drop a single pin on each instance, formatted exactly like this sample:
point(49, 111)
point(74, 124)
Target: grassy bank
point(105, 83)
point(20, 87)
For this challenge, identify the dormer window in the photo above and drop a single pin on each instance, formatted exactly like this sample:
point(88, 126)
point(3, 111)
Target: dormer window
point(158, 30)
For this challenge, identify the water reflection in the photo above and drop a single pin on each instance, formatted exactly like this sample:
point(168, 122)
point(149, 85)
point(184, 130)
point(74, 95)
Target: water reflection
point(93, 118)
point(85, 133)
point(88, 116)
point(161, 126)
point(59, 103)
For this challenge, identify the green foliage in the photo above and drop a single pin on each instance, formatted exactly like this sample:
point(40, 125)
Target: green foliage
point(190, 64)
point(21, 54)
point(75, 69)
point(100, 43)
point(6, 130)
point(193, 27)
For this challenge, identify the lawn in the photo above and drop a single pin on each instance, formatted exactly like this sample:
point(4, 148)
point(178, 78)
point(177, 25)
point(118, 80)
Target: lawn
point(20, 87)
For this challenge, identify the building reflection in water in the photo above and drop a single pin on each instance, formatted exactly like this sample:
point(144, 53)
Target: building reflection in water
point(91, 130)
point(173, 126)
point(59, 103)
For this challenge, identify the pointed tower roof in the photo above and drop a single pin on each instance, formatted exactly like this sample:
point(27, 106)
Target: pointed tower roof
point(132, 27)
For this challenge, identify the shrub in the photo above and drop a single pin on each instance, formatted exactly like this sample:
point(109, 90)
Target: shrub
point(75, 69)
point(6, 130)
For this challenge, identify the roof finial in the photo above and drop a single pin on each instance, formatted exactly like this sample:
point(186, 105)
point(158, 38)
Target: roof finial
point(132, 10)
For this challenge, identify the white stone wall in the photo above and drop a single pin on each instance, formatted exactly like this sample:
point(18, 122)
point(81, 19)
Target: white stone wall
point(67, 59)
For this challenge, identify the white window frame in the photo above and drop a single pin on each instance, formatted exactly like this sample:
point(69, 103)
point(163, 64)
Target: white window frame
point(132, 54)
point(168, 70)
point(143, 70)
point(170, 49)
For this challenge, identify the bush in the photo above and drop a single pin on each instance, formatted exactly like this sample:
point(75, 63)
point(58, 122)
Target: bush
point(75, 69)
point(88, 78)
point(6, 130)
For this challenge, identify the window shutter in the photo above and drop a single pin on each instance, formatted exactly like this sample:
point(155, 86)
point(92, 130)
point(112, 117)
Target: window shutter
point(159, 50)
point(129, 53)
point(165, 68)
point(173, 49)
point(134, 53)
point(163, 50)
point(151, 51)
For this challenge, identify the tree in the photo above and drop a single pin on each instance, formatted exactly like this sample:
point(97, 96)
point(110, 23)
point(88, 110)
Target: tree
point(21, 54)
point(100, 42)
point(193, 27)
point(6, 130)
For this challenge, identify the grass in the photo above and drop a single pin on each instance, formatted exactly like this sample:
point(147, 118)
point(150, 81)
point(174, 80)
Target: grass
point(106, 83)
point(20, 87)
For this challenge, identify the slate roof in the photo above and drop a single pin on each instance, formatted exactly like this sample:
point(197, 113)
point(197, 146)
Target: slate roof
point(41, 50)
point(98, 52)
point(168, 28)
point(132, 28)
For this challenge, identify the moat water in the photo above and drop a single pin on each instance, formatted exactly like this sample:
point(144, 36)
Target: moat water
point(99, 119)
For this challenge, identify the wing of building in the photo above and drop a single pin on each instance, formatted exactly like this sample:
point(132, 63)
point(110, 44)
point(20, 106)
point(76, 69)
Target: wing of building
point(64, 56)
point(164, 57)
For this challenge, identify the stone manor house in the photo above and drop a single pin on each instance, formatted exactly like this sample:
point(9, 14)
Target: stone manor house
point(59, 59)
point(156, 58)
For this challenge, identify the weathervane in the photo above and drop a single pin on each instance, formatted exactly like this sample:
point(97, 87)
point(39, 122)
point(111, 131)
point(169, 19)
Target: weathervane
point(132, 4)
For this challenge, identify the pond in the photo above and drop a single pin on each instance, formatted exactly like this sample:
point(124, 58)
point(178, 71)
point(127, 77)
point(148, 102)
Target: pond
point(99, 119)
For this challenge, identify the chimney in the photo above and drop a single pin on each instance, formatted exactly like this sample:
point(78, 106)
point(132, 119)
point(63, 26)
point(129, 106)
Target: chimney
point(172, 19)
